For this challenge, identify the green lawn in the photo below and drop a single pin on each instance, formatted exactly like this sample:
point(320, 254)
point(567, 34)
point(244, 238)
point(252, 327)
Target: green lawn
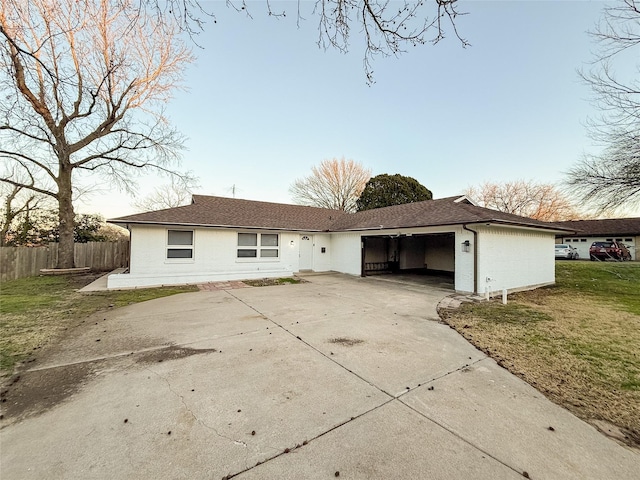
point(36, 310)
point(577, 342)
point(617, 284)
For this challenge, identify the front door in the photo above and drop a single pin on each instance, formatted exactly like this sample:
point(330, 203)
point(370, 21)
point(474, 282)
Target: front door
point(306, 252)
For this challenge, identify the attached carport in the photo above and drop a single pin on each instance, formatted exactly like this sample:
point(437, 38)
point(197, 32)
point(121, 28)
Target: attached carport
point(431, 254)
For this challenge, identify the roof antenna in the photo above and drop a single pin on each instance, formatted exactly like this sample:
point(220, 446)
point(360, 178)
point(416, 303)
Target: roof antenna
point(233, 190)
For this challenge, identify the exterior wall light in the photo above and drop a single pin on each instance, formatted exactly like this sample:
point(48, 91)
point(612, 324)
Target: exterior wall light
point(291, 243)
point(466, 246)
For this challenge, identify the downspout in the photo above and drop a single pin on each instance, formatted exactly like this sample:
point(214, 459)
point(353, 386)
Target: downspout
point(128, 266)
point(475, 257)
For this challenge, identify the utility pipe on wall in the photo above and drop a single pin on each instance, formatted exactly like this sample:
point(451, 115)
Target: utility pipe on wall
point(475, 257)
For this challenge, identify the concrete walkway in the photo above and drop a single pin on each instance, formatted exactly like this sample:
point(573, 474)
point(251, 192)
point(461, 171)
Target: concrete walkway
point(100, 284)
point(339, 376)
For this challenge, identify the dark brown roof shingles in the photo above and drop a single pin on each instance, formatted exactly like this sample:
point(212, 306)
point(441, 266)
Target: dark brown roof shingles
point(231, 212)
point(444, 211)
point(605, 227)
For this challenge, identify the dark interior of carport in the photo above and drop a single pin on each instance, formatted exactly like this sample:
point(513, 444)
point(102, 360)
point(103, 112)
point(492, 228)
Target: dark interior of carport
point(417, 254)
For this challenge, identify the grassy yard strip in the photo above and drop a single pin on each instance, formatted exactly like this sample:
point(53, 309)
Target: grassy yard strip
point(576, 342)
point(35, 310)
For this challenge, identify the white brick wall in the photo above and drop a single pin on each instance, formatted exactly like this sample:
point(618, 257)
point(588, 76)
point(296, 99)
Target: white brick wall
point(511, 258)
point(347, 254)
point(514, 258)
point(214, 259)
point(322, 261)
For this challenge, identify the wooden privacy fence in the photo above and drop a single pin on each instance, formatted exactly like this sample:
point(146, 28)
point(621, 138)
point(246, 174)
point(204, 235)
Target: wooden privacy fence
point(20, 262)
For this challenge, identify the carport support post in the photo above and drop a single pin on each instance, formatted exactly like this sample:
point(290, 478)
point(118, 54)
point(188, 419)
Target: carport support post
point(362, 252)
point(504, 296)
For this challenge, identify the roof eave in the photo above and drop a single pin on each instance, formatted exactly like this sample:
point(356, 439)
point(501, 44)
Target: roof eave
point(534, 226)
point(393, 227)
point(582, 233)
point(473, 222)
point(124, 223)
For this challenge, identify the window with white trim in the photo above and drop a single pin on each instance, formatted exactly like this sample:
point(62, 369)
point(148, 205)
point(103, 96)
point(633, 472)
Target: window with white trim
point(180, 244)
point(258, 245)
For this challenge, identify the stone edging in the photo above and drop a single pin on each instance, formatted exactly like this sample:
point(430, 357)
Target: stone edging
point(455, 300)
point(64, 271)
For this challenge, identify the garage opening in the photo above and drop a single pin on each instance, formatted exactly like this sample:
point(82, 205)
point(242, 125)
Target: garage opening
point(424, 258)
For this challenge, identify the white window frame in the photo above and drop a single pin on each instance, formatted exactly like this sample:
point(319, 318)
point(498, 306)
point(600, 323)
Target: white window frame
point(170, 246)
point(263, 252)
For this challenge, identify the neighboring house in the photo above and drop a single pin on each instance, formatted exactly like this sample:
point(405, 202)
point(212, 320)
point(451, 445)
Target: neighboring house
point(217, 238)
point(625, 230)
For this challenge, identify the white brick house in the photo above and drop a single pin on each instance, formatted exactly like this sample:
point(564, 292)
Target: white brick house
point(217, 238)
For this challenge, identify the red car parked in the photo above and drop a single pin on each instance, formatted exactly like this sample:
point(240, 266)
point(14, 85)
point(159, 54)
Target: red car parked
point(608, 251)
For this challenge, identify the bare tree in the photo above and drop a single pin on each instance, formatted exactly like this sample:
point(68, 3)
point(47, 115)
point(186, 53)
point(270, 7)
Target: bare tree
point(387, 28)
point(83, 87)
point(335, 184)
point(17, 202)
point(611, 178)
point(170, 195)
point(534, 200)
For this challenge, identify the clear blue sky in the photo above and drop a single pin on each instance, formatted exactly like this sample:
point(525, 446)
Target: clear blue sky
point(264, 103)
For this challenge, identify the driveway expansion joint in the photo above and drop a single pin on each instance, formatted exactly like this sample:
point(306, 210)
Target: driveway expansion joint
point(307, 442)
point(463, 439)
point(466, 417)
point(444, 375)
point(328, 357)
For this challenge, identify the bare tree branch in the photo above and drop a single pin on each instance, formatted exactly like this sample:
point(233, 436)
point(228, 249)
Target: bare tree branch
point(611, 178)
point(174, 194)
point(335, 184)
point(541, 201)
point(83, 86)
point(16, 203)
point(388, 28)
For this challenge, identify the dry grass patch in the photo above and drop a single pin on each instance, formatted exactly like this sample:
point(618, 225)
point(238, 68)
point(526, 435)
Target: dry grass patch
point(35, 311)
point(578, 349)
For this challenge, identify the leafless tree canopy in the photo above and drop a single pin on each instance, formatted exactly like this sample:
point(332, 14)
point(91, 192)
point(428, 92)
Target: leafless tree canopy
point(335, 184)
point(17, 202)
point(528, 199)
point(611, 178)
point(387, 28)
point(83, 84)
point(170, 195)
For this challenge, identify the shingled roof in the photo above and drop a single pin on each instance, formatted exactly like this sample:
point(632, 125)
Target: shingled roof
point(207, 210)
point(443, 211)
point(230, 212)
point(605, 227)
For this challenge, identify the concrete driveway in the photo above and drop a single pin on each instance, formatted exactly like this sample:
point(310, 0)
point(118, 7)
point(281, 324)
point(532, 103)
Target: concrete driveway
point(340, 376)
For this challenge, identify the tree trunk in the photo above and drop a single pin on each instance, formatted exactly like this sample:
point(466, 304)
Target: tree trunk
point(66, 216)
